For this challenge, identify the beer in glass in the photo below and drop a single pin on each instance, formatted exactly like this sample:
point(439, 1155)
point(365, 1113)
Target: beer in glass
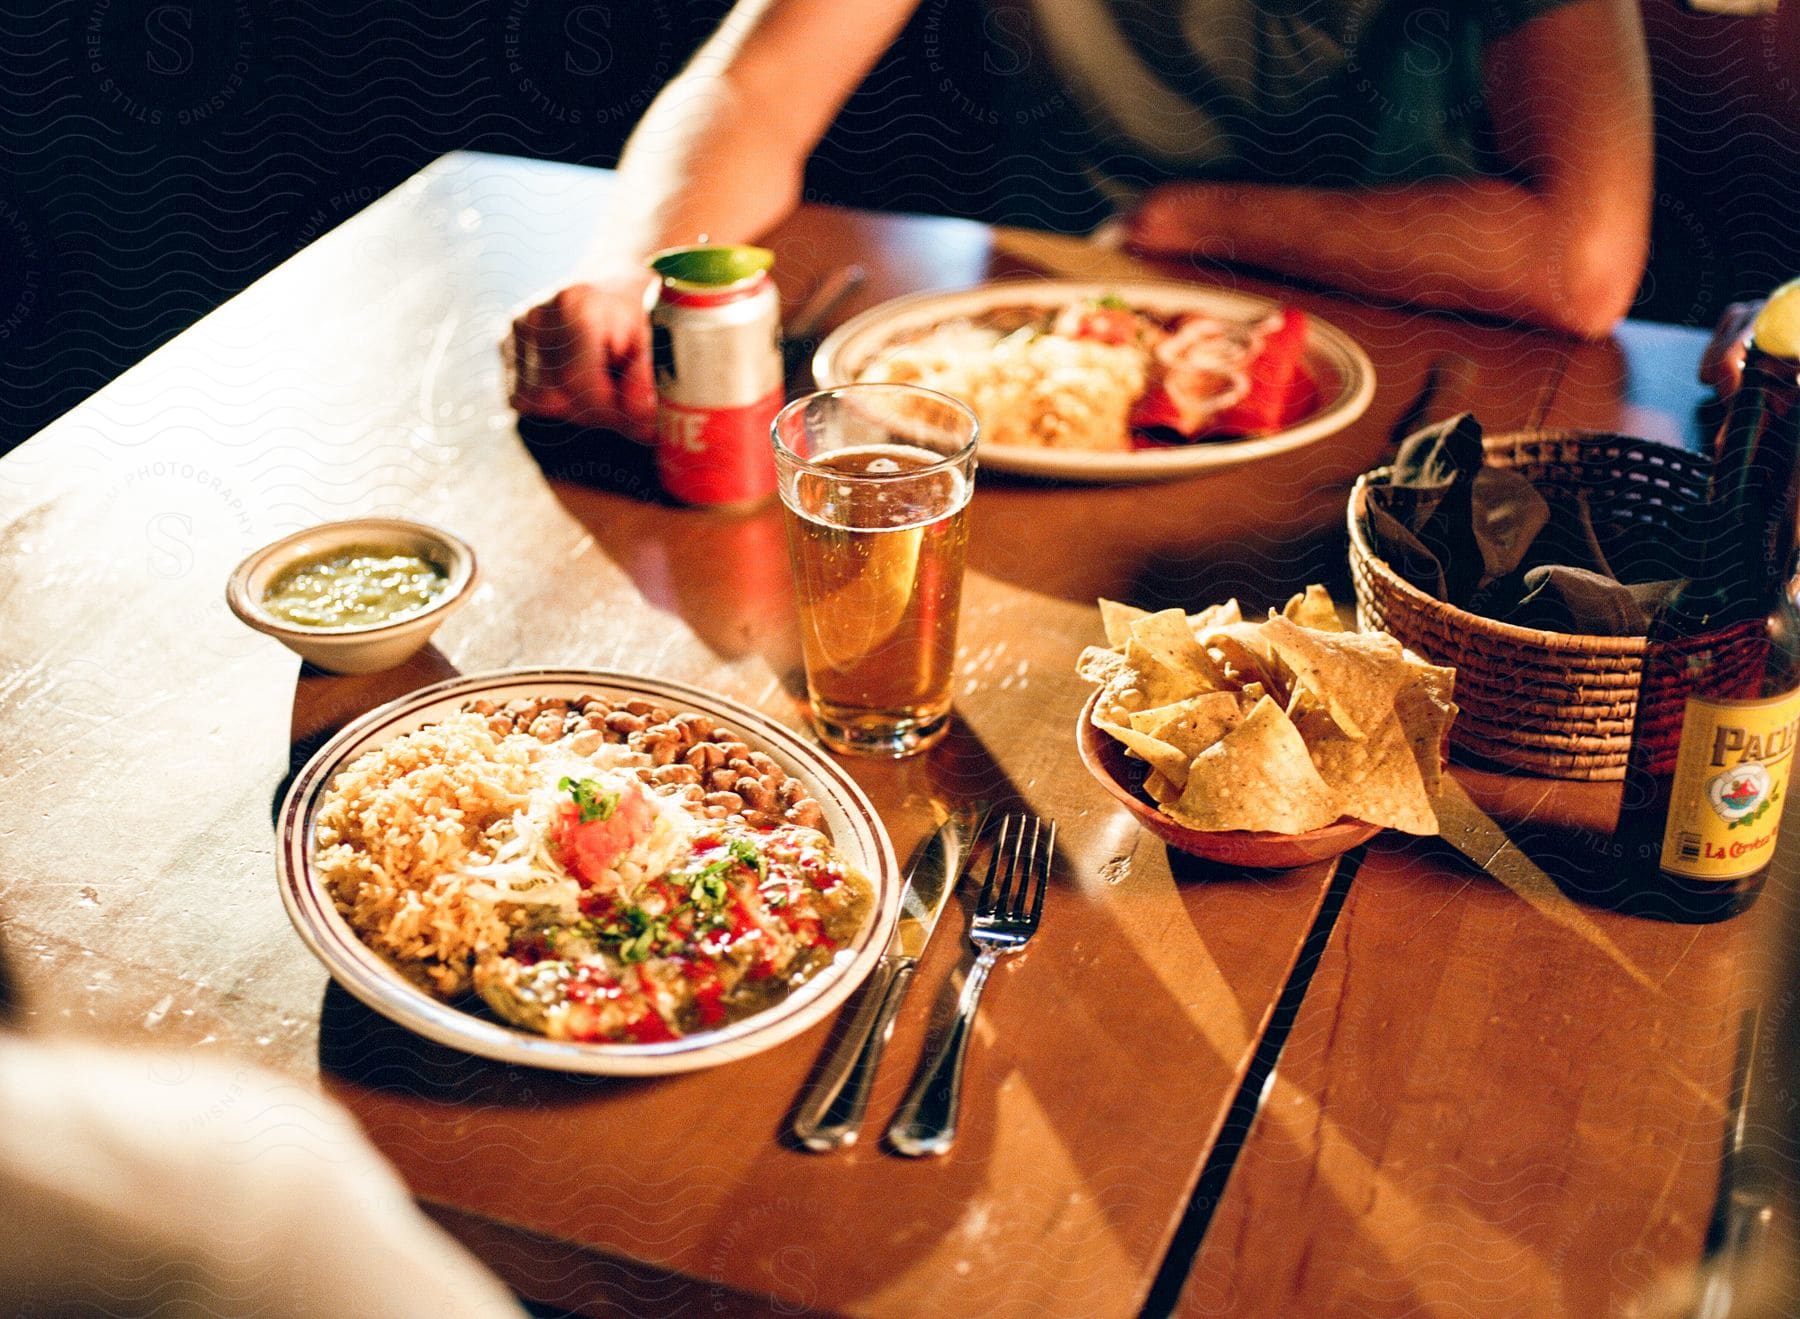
point(875, 482)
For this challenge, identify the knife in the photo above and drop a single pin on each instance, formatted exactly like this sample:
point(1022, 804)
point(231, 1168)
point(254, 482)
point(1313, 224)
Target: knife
point(802, 333)
point(832, 1111)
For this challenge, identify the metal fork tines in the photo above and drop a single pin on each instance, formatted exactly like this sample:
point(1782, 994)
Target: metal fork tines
point(1006, 916)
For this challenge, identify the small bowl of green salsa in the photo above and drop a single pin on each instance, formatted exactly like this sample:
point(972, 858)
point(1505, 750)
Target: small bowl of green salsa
point(355, 596)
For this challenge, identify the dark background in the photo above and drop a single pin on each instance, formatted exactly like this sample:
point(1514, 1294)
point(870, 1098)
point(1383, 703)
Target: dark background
point(159, 155)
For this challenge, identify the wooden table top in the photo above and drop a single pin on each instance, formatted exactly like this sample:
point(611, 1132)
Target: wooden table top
point(1485, 1103)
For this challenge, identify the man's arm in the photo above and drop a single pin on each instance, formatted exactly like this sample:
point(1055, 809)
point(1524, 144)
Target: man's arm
point(722, 149)
point(720, 154)
point(1569, 94)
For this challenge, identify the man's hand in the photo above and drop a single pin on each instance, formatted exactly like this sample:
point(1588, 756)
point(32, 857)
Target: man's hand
point(584, 356)
point(1183, 220)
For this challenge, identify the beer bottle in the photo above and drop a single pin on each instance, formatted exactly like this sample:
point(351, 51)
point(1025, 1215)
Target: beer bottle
point(1719, 695)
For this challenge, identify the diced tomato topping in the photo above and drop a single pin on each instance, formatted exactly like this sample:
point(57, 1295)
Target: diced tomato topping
point(590, 849)
point(1281, 392)
point(649, 1029)
point(709, 991)
point(1114, 325)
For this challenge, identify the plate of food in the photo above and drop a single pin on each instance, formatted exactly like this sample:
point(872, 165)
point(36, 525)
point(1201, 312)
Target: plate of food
point(1123, 381)
point(587, 871)
point(1265, 743)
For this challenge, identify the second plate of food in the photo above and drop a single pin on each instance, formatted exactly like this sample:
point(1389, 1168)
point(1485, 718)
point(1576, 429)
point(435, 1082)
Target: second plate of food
point(548, 867)
point(1120, 381)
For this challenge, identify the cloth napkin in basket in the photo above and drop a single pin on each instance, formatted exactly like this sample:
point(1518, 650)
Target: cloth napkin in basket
point(1486, 540)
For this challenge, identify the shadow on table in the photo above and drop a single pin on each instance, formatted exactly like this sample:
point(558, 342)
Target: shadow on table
point(1259, 570)
point(325, 702)
point(723, 571)
point(594, 458)
point(359, 1046)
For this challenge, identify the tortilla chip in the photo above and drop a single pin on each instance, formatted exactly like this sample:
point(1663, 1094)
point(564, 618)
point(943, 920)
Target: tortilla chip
point(1251, 659)
point(1200, 699)
point(1313, 608)
point(1159, 789)
point(1166, 638)
point(1117, 620)
point(1171, 761)
point(1215, 616)
point(1097, 664)
point(1139, 681)
point(1259, 776)
point(1376, 776)
point(1192, 725)
point(1354, 674)
point(1425, 710)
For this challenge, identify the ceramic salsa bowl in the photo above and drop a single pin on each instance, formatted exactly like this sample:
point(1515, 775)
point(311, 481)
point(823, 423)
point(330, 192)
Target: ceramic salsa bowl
point(371, 647)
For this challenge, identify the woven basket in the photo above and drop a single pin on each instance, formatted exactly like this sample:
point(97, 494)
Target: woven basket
point(1548, 703)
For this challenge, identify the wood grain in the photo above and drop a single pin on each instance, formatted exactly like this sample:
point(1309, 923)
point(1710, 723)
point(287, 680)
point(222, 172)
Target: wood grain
point(1480, 1112)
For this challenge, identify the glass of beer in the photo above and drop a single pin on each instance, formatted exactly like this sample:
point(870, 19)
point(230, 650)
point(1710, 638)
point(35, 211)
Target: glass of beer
point(875, 480)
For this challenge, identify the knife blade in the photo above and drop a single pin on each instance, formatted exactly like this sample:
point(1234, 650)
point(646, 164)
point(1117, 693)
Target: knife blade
point(831, 1114)
point(804, 331)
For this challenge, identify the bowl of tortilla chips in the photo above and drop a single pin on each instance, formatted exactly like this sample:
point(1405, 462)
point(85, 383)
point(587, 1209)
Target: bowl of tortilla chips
point(1265, 743)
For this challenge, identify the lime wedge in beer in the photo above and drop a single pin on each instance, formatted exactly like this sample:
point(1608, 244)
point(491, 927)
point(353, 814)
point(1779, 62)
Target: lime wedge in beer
point(711, 265)
point(1777, 327)
point(854, 619)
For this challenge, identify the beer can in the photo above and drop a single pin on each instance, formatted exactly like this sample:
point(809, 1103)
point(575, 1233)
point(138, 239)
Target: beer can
point(715, 341)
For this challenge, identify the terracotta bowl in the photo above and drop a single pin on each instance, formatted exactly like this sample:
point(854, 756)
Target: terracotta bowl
point(372, 647)
point(1123, 777)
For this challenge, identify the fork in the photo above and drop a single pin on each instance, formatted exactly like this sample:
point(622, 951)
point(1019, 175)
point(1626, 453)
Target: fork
point(1006, 916)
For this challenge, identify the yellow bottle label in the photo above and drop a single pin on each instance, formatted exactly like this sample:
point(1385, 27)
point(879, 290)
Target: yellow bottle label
point(1731, 783)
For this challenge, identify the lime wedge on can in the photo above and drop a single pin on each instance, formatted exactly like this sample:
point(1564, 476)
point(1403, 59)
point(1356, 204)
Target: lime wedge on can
point(1777, 327)
point(711, 265)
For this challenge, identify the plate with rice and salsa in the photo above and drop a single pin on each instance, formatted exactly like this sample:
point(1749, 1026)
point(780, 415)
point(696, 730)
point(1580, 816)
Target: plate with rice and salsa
point(1123, 381)
point(587, 871)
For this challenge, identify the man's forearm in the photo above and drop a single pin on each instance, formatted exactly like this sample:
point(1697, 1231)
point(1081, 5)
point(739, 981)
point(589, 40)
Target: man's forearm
point(722, 149)
point(689, 175)
point(694, 168)
point(1485, 245)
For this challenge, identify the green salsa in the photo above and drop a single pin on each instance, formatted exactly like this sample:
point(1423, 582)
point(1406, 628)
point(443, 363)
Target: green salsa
point(355, 587)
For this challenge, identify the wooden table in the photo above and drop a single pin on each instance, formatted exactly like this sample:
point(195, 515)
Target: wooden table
point(1485, 1105)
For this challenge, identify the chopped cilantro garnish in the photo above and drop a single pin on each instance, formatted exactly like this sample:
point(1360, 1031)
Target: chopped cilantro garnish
point(746, 854)
point(708, 889)
point(595, 802)
point(638, 949)
point(1112, 302)
point(638, 933)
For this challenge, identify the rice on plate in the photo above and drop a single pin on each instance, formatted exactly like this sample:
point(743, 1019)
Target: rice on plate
point(593, 873)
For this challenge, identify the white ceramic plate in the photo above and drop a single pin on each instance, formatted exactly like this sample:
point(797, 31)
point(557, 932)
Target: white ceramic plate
point(1345, 376)
point(851, 821)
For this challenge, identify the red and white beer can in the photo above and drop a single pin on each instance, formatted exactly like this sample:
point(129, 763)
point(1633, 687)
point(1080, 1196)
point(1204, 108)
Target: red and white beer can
point(716, 351)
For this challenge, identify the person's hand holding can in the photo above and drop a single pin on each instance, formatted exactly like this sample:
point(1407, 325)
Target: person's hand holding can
point(584, 356)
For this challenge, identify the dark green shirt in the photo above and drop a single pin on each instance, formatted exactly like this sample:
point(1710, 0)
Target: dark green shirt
point(1333, 93)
